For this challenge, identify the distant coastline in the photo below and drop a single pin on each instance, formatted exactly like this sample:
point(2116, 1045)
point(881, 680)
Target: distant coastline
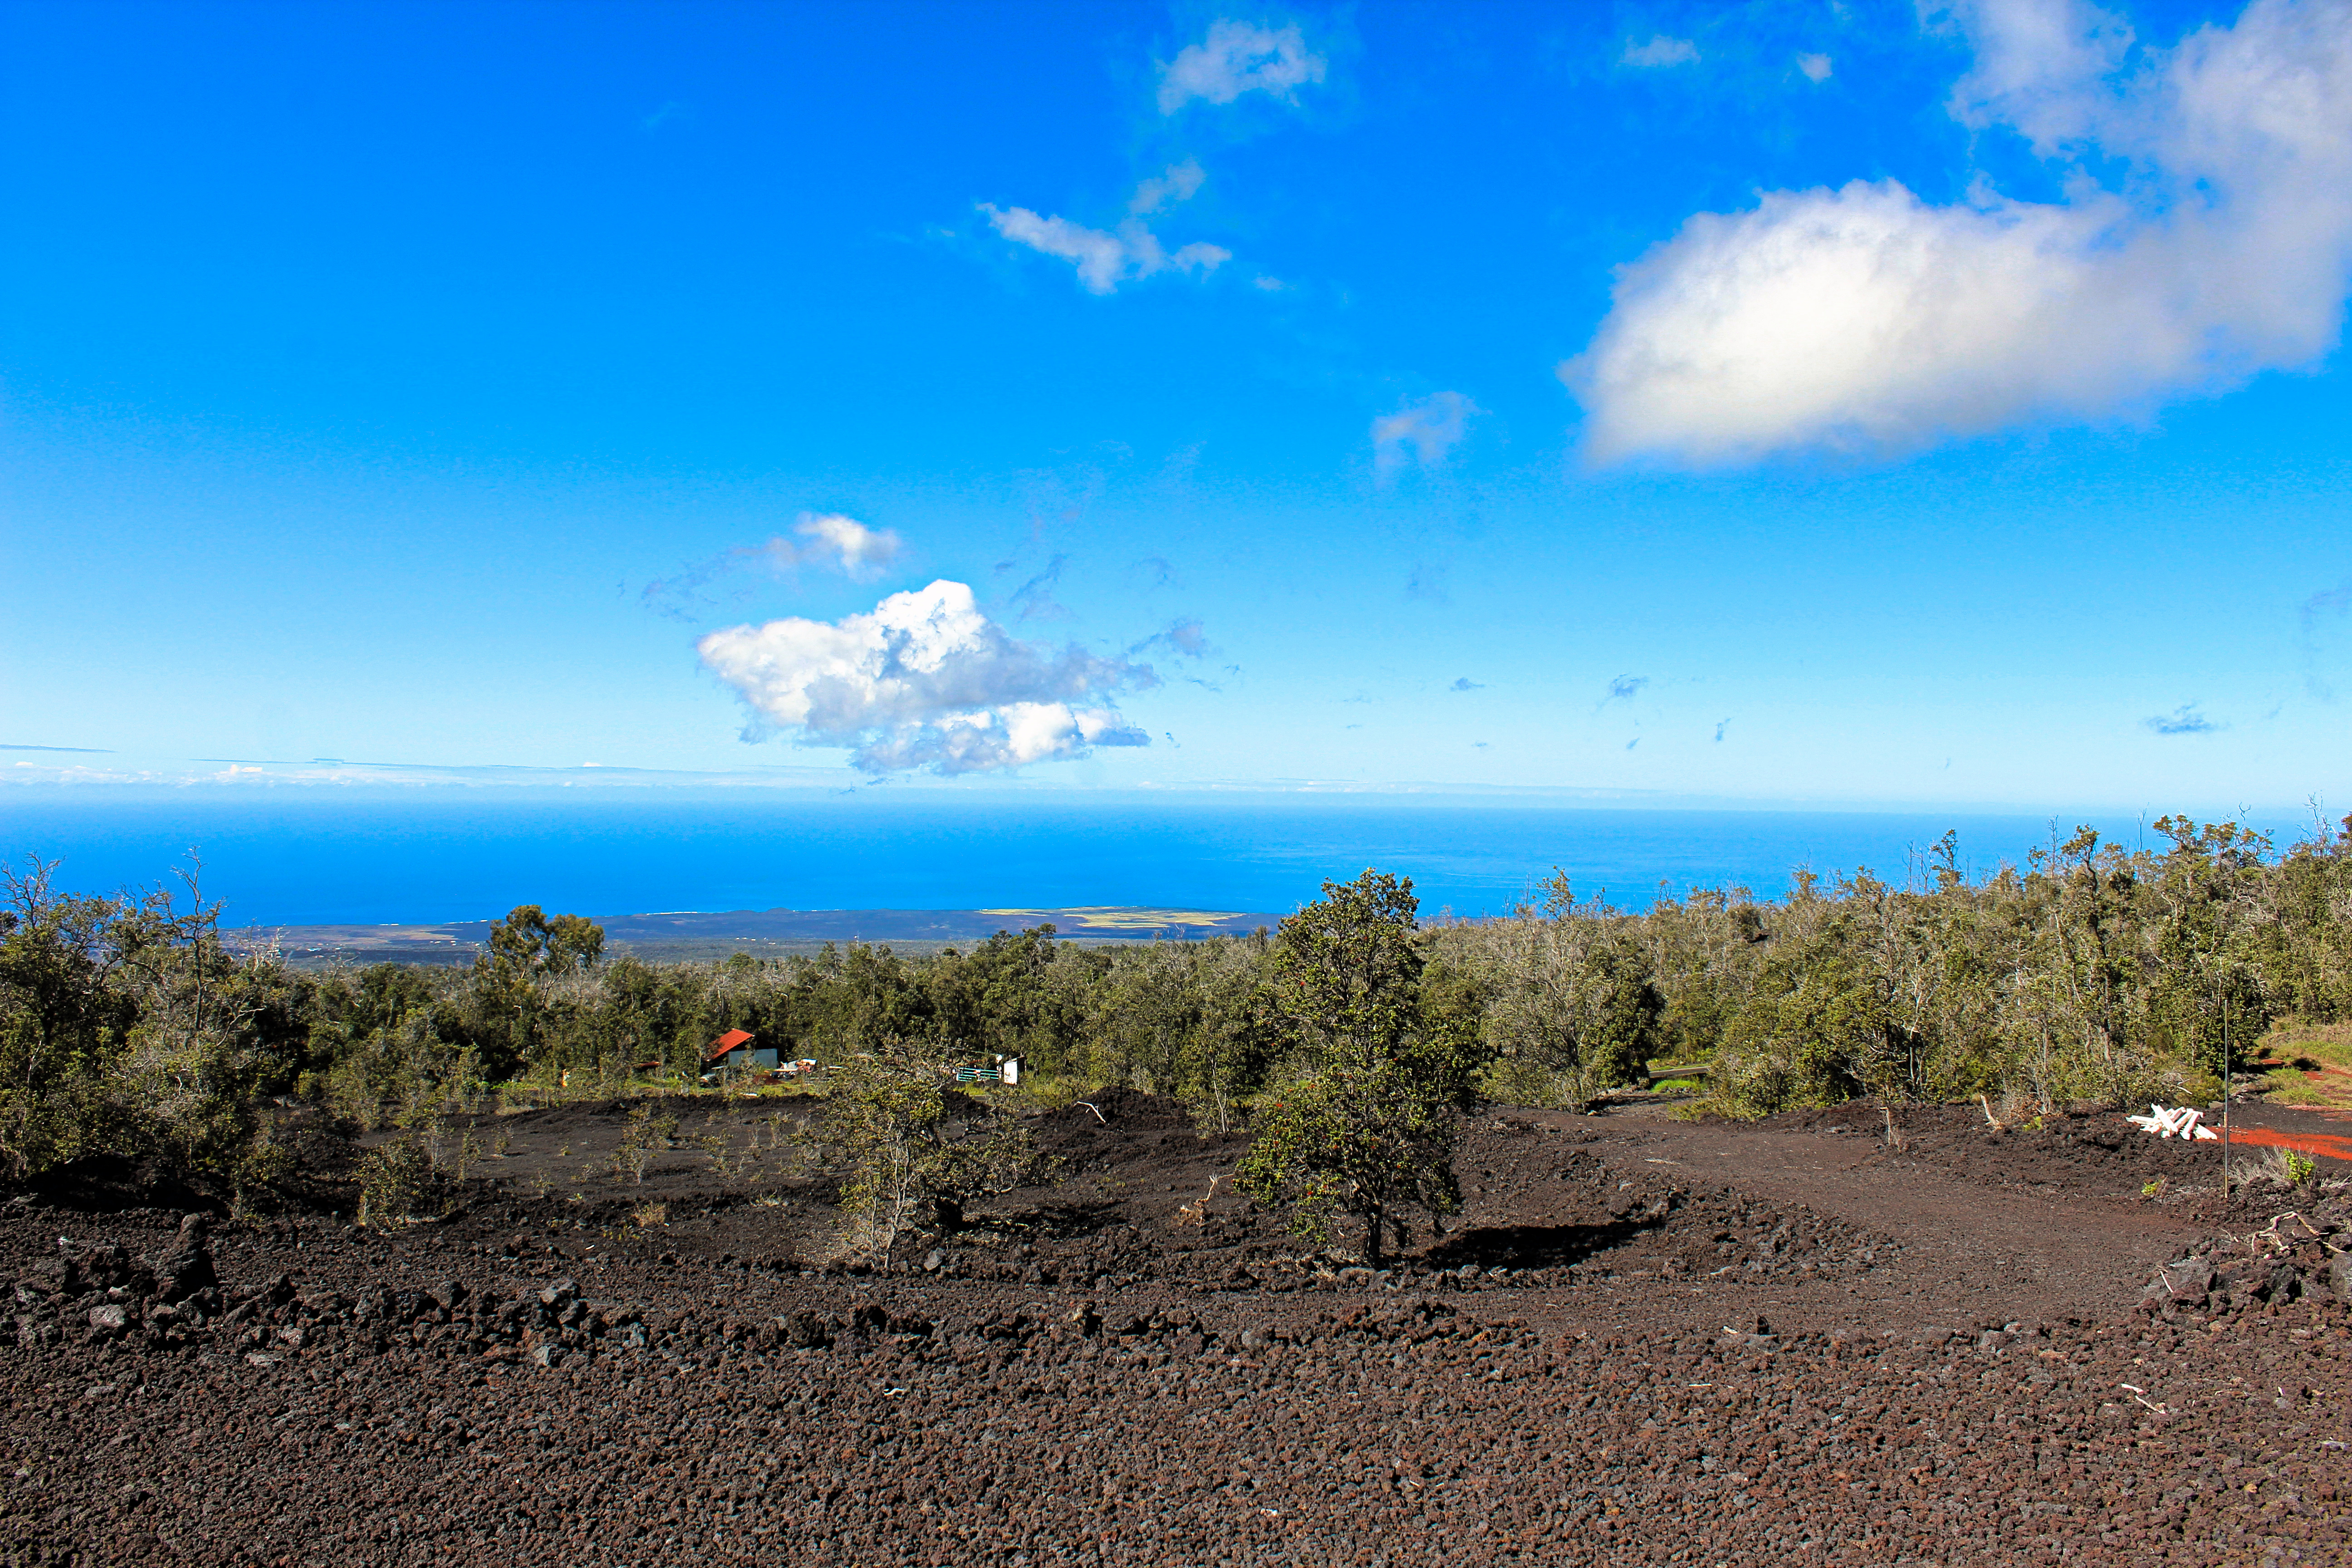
point(680, 936)
point(349, 870)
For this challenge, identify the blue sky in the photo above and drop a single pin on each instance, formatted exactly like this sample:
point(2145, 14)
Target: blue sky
point(1772, 403)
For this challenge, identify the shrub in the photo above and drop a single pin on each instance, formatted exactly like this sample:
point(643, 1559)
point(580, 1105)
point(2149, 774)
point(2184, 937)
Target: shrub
point(643, 1134)
point(401, 1182)
point(2292, 1167)
point(907, 1158)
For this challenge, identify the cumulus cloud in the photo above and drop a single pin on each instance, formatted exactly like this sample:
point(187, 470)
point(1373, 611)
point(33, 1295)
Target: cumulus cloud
point(1238, 58)
point(1868, 321)
point(1660, 52)
point(1815, 66)
point(2184, 720)
point(925, 681)
point(1106, 257)
point(1422, 432)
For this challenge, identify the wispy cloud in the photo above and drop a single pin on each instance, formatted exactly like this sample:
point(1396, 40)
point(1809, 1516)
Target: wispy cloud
point(1720, 726)
point(1867, 321)
point(86, 751)
point(925, 681)
point(823, 540)
point(1106, 257)
point(1182, 638)
point(2184, 720)
point(1178, 183)
point(1660, 52)
point(2318, 612)
point(1464, 683)
point(1624, 689)
point(1034, 601)
point(1238, 58)
point(1815, 66)
point(1421, 432)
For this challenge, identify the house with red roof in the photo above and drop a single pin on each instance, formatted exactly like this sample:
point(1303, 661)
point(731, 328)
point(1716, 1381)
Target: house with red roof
point(738, 1049)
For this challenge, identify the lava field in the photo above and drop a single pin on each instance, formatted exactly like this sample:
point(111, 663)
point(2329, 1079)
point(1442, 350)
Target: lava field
point(1817, 1339)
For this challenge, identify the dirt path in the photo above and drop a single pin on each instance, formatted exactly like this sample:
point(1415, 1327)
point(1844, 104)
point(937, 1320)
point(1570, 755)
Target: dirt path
point(1971, 1250)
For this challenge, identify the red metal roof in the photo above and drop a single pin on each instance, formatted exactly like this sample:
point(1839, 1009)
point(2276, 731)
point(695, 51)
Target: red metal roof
point(726, 1043)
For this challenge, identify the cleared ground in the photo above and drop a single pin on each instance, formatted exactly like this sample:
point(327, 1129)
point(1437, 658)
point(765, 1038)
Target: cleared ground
point(1812, 1340)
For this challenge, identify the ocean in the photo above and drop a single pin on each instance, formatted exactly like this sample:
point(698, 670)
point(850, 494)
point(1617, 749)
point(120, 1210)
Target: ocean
point(310, 857)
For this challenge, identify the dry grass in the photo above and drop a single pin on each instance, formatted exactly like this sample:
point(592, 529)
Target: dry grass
point(2308, 1065)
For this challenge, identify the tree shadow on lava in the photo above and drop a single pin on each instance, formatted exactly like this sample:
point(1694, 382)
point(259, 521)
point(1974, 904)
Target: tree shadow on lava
point(1061, 1219)
point(1530, 1245)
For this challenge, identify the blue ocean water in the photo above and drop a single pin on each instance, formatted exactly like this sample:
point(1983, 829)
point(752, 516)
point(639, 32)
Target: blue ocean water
point(318, 857)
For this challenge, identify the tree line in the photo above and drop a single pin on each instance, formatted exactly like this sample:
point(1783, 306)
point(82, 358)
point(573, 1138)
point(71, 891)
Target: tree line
point(2090, 972)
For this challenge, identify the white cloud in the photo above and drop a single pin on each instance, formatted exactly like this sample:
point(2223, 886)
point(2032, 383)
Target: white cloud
point(1105, 258)
point(1661, 51)
point(1422, 432)
point(1178, 184)
point(1865, 319)
point(842, 543)
point(925, 681)
point(834, 542)
point(1238, 58)
point(1815, 66)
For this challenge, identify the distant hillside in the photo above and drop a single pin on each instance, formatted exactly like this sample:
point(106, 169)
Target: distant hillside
point(691, 934)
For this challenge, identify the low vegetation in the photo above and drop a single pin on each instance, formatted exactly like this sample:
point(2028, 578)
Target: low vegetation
point(2092, 972)
point(912, 1153)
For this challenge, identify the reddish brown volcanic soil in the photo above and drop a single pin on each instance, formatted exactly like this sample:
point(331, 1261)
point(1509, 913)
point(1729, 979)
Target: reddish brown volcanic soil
point(1645, 1342)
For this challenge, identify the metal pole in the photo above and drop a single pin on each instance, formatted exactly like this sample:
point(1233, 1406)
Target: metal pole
point(2226, 1097)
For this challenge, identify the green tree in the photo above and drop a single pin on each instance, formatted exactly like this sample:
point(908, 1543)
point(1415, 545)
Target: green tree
point(1564, 1001)
point(61, 1014)
point(529, 941)
point(126, 1026)
point(1367, 1125)
point(525, 951)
